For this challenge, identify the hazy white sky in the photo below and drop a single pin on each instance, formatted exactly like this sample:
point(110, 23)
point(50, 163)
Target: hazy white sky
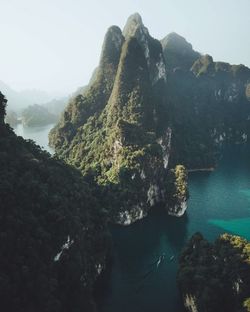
point(54, 45)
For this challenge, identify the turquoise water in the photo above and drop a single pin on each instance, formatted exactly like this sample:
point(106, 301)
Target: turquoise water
point(219, 202)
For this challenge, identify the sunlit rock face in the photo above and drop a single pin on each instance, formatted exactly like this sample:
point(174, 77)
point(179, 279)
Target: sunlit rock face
point(128, 217)
point(189, 303)
point(179, 209)
point(165, 143)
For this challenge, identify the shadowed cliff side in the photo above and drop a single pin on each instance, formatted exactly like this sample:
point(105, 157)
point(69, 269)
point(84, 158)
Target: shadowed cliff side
point(53, 235)
point(215, 277)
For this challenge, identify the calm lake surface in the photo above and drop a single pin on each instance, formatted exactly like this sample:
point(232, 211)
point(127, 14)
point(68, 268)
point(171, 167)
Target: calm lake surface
point(37, 134)
point(219, 202)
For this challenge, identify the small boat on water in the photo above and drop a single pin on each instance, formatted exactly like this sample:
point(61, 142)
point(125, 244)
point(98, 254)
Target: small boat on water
point(161, 258)
point(171, 258)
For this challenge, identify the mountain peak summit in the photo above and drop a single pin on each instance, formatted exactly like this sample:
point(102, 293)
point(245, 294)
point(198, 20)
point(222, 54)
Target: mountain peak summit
point(134, 23)
point(136, 17)
point(176, 41)
point(178, 52)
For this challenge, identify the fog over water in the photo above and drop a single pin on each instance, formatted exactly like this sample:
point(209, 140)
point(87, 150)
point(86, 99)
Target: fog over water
point(37, 134)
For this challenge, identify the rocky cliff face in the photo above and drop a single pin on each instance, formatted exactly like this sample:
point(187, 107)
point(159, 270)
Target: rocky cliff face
point(151, 47)
point(150, 107)
point(178, 53)
point(215, 277)
point(53, 232)
point(209, 105)
point(123, 140)
point(93, 99)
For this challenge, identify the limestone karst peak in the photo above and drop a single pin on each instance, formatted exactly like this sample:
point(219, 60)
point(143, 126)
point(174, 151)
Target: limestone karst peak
point(176, 41)
point(135, 18)
point(134, 23)
point(112, 44)
point(178, 52)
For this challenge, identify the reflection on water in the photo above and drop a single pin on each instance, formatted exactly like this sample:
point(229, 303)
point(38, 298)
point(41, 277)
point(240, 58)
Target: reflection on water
point(37, 134)
point(138, 282)
point(219, 202)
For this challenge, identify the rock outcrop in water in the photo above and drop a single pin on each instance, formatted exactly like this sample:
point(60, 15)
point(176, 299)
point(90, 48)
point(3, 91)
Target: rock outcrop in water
point(53, 235)
point(215, 277)
point(117, 131)
point(151, 106)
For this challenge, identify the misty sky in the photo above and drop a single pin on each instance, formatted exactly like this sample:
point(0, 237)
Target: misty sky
point(54, 45)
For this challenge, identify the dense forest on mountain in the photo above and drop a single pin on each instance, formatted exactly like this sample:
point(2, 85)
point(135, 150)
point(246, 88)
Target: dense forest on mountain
point(152, 111)
point(53, 235)
point(215, 277)
point(117, 130)
point(37, 115)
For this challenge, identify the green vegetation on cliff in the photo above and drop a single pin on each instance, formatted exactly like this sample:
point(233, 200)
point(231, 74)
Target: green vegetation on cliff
point(53, 237)
point(37, 115)
point(93, 99)
point(150, 106)
point(209, 108)
point(215, 277)
point(112, 131)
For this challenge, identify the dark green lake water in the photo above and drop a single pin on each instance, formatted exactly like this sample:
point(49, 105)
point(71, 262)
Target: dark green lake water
point(219, 202)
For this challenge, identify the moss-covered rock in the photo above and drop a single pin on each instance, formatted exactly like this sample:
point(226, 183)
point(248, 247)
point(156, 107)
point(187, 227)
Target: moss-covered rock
point(215, 277)
point(120, 140)
point(152, 106)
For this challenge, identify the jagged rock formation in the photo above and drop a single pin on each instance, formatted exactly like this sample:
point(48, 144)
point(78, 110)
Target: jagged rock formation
point(215, 277)
point(94, 99)
point(117, 131)
point(151, 106)
point(151, 47)
point(178, 53)
point(53, 235)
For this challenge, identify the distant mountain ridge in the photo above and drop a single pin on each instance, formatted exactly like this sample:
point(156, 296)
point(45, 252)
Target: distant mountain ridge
point(18, 100)
point(22, 100)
